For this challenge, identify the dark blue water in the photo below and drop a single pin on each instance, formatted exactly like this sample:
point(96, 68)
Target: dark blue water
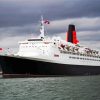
point(61, 88)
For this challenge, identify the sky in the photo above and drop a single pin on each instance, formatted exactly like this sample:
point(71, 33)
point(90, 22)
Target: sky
point(20, 19)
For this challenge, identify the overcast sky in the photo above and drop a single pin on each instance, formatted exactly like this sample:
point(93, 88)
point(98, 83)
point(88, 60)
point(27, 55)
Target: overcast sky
point(19, 19)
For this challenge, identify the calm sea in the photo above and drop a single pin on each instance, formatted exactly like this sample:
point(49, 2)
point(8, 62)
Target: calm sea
point(54, 88)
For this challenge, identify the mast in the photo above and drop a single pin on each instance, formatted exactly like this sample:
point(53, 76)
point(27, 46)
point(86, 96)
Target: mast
point(42, 28)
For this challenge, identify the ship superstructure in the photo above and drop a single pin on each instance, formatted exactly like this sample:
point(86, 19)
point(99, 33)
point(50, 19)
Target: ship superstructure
point(44, 56)
point(58, 49)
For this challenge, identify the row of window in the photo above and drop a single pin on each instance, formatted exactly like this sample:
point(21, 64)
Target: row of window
point(84, 58)
point(79, 54)
point(32, 46)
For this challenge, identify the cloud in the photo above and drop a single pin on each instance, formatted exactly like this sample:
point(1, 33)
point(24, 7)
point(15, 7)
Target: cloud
point(82, 24)
point(11, 43)
point(21, 12)
point(20, 18)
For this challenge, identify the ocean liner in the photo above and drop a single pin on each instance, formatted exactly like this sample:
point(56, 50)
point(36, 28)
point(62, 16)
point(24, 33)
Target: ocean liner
point(44, 56)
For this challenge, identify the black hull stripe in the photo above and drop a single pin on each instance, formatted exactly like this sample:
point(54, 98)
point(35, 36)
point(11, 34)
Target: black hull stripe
point(15, 67)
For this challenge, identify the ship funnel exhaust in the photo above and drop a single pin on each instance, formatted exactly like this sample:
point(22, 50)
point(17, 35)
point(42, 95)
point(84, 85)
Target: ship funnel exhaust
point(71, 34)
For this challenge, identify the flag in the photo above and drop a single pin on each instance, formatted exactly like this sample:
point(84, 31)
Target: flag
point(1, 49)
point(46, 22)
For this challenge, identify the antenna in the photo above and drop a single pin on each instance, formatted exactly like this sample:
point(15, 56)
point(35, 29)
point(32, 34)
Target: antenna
point(42, 28)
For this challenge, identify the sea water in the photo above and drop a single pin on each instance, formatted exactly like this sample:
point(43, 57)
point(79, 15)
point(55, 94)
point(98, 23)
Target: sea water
point(51, 88)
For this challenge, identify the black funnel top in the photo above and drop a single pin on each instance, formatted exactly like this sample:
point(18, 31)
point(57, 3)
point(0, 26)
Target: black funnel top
point(71, 28)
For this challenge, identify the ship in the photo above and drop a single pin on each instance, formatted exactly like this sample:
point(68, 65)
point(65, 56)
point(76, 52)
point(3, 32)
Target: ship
point(45, 56)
